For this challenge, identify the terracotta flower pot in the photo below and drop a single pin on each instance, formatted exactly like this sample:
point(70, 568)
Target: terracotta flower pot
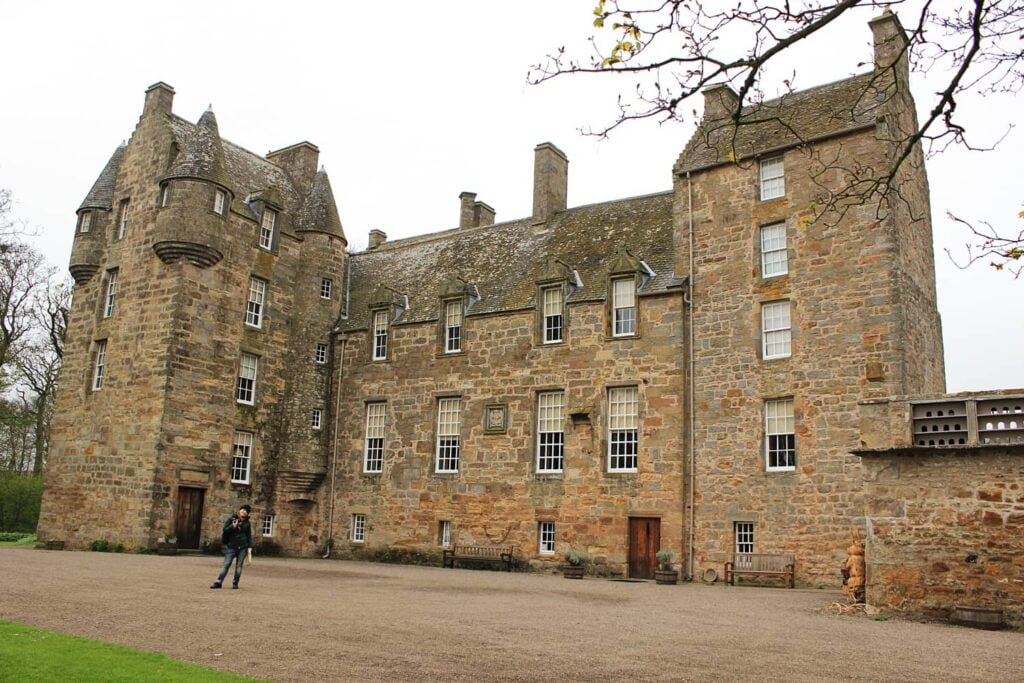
point(666, 578)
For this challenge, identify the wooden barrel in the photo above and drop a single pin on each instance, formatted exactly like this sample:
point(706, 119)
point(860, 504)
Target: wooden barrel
point(988, 618)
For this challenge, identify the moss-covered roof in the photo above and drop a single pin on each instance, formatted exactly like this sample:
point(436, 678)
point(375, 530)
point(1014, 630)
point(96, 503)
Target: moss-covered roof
point(504, 262)
point(797, 117)
point(319, 212)
point(101, 196)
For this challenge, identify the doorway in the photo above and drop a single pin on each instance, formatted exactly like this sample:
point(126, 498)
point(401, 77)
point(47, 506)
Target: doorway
point(644, 543)
point(189, 524)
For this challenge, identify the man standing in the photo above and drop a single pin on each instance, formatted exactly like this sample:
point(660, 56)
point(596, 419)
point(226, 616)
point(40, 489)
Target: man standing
point(237, 540)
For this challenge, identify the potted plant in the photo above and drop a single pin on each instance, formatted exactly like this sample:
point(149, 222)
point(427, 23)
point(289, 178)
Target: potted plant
point(167, 545)
point(575, 564)
point(664, 575)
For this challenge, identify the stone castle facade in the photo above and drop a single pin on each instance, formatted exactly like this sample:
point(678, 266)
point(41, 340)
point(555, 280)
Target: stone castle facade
point(676, 371)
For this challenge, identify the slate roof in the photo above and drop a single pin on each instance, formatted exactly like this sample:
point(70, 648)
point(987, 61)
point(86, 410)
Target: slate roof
point(796, 117)
point(201, 154)
point(101, 196)
point(319, 212)
point(503, 261)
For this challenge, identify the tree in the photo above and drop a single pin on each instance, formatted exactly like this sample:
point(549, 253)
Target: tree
point(671, 50)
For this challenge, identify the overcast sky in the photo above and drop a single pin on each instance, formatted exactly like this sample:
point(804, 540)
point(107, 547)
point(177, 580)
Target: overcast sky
point(412, 103)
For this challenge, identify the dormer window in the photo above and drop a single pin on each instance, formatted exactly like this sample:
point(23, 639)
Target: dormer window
point(773, 180)
point(267, 223)
point(624, 307)
point(220, 200)
point(85, 222)
point(380, 334)
point(552, 301)
point(453, 326)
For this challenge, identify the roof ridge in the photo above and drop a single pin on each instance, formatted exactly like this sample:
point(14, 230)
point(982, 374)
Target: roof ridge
point(820, 86)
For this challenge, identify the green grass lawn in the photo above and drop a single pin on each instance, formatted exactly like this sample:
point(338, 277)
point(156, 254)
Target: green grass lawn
point(29, 654)
point(29, 541)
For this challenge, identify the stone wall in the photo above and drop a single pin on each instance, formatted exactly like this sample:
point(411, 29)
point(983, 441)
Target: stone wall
point(945, 527)
point(498, 496)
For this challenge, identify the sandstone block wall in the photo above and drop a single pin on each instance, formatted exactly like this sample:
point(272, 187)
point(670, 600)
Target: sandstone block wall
point(945, 527)
point(498, 496)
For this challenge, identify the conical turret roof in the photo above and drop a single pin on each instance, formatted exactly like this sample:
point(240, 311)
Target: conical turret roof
point(101, 196)
point(202, 154)
point(319, 213)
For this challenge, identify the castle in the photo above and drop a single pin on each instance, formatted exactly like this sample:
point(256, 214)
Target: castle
point(676, 371)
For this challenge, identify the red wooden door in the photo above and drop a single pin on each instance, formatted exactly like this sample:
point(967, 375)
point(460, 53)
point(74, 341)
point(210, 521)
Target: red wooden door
point(644, 543)
point(189, 524)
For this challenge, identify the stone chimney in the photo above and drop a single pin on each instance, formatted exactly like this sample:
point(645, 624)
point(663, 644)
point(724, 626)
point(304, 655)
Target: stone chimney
point(467, 216)
point(550, 181)
point(300, 162)
point(377, 238)
point(890, 45)
point(720, 101)
point(483, 214)
point(159, 99)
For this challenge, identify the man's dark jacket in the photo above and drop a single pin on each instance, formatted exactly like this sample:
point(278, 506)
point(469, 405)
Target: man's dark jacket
point(238, 537)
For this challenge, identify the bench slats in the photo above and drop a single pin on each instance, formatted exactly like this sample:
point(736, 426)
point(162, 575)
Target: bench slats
point(760, 563)
point(478, 552)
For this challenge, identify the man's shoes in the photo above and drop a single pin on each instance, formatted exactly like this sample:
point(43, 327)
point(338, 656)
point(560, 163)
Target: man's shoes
point(234, 585)
point(216, 584)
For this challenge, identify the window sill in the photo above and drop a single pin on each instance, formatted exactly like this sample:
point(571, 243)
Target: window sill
point(372, 474)
point(548, 476)
point(612, 337)
point(774, 358)
point(778, 470)
point(450, 354)
point(620, 472)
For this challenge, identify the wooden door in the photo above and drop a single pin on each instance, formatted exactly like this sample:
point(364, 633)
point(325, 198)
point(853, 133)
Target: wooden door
point(189, 523)
point(644, 543)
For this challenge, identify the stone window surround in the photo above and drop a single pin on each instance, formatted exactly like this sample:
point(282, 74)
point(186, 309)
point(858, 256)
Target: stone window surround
point(243, 447)
point(259, 314)
point(99, 363)
point(366, 435)
point(267, 229)
point(765, 426)
point(606, 429)
point(438, 398)
point(372, 334)
point(111, 293)
point(541, 336)
point(554, 473)
point(764, 178)
point(610, 307)
point(443, 327)
point(358, 532)
point(255, 377)
point(763, 339)
point(546, 537)
point(761, 228)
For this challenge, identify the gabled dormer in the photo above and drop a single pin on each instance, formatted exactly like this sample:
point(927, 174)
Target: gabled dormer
point(556, 281)
point(626, 276)
point(386, 306)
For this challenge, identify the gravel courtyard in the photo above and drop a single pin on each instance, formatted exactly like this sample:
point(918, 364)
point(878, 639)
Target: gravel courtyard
point(304, 620)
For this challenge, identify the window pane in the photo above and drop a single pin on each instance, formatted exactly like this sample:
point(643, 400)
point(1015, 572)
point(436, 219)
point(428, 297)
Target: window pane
point(773, 250)
point(552, 314)
point(374, 451)
point(744, 533)
point(546, 535)
point(108, 307)
point(776, 332)
point(267, 228)
point(624, 307)
point(254, 305)
point(101, 361)
point(773, 182)
point(453, 326)
point(448, 428)
point(623, 423)
point(380, 335)
point(550, 431)
point(241, 457)
point(780, 436)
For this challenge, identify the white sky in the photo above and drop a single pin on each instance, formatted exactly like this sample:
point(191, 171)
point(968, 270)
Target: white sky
point(412, 103)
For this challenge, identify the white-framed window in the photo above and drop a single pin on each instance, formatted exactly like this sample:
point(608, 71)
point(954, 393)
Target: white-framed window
point(85, 222)
point(108, 302)
point(546, 538)
point(373, 450)
point(122, 220)
point(358, 528)
point(779, 435)
point(267, 223)
point(774, 258)
point(220, 200)
point(453, 326)
point(318, 416)
point(165, 194)
point(552, 302)
point(380, 334)
point(268, 524)
point(743, 532)
point(241, 458)
point(326, 286)
point(624, 307)
point(773, 179)
point(321, 354)
point(623, 429)
point(550, 431)
point(254, 305)
point(247, 367)
point(444, 533)
point(449, 424)
point(776, 332)
point(99, 364)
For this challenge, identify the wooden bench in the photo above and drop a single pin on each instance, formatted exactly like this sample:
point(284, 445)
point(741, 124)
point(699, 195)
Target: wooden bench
point(752, 563)
point(495, 553)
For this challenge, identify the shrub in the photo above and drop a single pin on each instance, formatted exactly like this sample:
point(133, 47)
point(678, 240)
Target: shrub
point(12, 536)
point(575, 559)
point(665, 558)
point(20, 496)
point(100, 546)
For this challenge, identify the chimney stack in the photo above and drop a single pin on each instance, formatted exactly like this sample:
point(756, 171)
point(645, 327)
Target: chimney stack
point(377, 238)
point(159, 99)
point(890, 45)
point(720, 101)
point(466, 213)
point(483, 214)
point(300, 162)
point(550, 181)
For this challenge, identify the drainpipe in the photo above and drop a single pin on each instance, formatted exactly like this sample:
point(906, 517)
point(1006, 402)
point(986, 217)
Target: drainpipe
point(334, 454)
point(688, 300)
